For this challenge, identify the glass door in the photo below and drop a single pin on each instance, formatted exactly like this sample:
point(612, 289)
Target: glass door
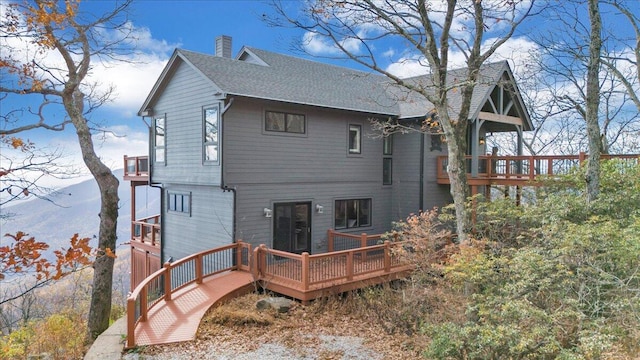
point(292, 227)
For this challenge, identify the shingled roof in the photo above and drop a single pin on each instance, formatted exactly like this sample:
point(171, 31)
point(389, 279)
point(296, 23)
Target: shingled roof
point(257, 73)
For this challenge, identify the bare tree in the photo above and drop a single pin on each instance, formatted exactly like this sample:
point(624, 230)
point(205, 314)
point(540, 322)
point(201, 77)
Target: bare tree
point(432, 31)
point(625, 63)
point(78, 39)
point(22, 165)
point(592, 176)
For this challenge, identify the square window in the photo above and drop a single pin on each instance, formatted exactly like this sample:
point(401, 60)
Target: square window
point(352, 213)
point(179, 202)
point(275, 121)
point(355, 139)
point(295, 123)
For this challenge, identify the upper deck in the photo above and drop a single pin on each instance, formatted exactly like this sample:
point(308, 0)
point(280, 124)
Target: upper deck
point(521, 170)
point(136, 168)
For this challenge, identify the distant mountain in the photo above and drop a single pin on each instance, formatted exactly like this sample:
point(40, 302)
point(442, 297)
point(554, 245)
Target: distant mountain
point(76, 210)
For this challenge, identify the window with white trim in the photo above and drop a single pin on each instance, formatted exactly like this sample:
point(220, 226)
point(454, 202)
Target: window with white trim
point(352, 213)
point(355, 139)
point(211, 150)
point(159, 144)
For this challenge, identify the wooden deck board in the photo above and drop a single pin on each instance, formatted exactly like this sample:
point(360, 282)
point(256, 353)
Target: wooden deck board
point(178, 319)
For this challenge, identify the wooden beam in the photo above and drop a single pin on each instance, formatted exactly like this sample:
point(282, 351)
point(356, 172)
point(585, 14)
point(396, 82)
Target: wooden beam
point(505, 119)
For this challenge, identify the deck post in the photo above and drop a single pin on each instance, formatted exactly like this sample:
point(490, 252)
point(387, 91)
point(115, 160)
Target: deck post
point(131, 323)
point(305, 271)
point(532, 169)
point(239, 254)
point(167, 281)
point(582, 157)
point(363, 244)
point(199, 269)
point(387, 256)
point(143, 304)
point(330, 235)
point(255, 263)
point(350, 265)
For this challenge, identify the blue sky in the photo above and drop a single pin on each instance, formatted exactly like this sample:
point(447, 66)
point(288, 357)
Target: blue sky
point(164, 25)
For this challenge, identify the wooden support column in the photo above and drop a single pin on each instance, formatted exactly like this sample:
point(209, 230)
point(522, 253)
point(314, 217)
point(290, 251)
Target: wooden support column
point(167, 283)
point(305, 271)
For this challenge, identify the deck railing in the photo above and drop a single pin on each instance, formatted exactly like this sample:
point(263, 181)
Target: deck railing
point(136, 166)
point(337, 241)
point(304, 271)
point(525, 168)
point(147, 230)
point(174, 276)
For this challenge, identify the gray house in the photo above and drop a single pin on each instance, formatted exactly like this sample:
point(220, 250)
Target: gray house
point(274, 149)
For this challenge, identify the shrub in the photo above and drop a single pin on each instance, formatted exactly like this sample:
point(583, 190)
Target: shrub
point(553, 278)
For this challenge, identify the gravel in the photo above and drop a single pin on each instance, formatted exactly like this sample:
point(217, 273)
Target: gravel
point(329, 347)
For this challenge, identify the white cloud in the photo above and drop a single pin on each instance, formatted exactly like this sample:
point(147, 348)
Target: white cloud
point(518, 51)
point(110, 146)
point(131, 74)
point(316, 44)
point(132, 81)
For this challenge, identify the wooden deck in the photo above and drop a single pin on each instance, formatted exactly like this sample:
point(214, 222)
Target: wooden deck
point(169, 305)
point(178, 319)
point(521, 170)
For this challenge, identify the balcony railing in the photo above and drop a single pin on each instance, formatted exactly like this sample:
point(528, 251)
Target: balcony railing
point(136, 167)
point(514, 170)
point(147, 231)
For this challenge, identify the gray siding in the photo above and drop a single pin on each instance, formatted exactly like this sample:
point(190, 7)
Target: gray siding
point(209, 225)
point(406, 176)
point(182, 103)
point(254, 156)
point(255, 228)
point(267, 168)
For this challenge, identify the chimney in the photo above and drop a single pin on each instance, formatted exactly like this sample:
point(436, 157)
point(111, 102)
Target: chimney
point(223, 46)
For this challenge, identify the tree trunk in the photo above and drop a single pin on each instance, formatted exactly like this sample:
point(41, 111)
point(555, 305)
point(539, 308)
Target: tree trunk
point(455, 133)
point(100, 306)
point(592, 176)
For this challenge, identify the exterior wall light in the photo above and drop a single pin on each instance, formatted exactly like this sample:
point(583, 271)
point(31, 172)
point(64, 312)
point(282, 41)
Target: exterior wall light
point(319, 209)
point(267, 212)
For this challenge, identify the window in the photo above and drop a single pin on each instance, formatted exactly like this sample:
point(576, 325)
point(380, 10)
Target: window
point(355, 137)
point(387, 161)
point(284, 122)
point(387, 145)
point(352, 213)
point(179, 202)
point(159, 140)
point(387, 171)
point(210, 141)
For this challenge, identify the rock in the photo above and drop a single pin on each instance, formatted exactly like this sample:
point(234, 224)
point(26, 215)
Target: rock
point(280, 304)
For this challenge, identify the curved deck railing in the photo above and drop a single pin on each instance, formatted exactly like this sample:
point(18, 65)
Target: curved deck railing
point(302, 276)
point(174, 276)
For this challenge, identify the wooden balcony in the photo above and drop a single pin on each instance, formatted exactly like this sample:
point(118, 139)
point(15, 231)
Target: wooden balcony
point(146, 232)
point(521, 170)
point(136, 168)
point(168, 305)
